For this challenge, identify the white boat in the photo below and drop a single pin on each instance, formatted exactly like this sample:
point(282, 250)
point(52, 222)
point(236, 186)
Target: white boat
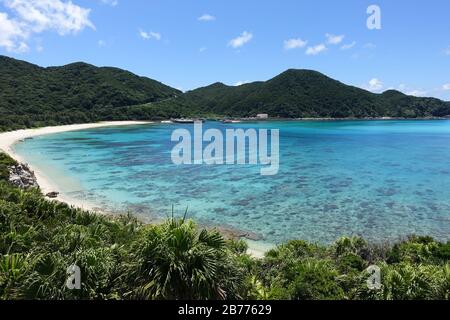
point(183, 120)
point(187, 120)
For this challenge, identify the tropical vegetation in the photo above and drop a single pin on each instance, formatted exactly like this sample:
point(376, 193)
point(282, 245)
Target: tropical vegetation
point(32, 96)
point(121, 258)
point(308, 94)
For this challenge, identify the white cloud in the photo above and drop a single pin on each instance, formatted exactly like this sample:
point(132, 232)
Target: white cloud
point(411, 91)
point(348, 46)
point(150, 35)
point(36, 16)
point(111, 3)
point(334, 39)
point(40, 15)
point(369, 45)
point(294, 43)
point(12, 34)
point(155, 35)
point(374, 85)
point(144, 35)
point(315, 50)
point(417, 93)
point(22, 48)
point(202, 49)
point(446, 87)
point(206, 17)
point(238, 42)
point(240, 83)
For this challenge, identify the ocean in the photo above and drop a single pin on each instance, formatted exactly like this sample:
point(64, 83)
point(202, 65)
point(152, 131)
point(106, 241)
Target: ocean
point(382, 180)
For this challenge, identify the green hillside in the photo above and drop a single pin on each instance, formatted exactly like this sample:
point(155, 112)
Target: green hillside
point(78, 93)
point(309, 94)
point(33, 96)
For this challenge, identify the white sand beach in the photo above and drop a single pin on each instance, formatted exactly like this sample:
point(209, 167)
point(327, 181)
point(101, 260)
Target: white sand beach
point(8, 139)
point(258, 249)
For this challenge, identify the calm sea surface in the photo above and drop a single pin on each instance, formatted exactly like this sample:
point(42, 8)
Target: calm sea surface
point(378, 179)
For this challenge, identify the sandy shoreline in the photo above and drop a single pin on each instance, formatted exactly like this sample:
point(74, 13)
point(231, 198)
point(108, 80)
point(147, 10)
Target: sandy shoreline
point(9, 139)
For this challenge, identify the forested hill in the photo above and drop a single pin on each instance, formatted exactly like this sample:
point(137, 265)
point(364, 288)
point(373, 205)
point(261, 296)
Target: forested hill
point(305, 93)
point(79, 92)
point(31, 95)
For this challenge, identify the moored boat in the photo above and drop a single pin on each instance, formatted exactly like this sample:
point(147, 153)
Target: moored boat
point(184, 121)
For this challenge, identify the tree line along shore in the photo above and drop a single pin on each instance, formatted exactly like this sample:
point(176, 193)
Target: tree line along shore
point(33, 96)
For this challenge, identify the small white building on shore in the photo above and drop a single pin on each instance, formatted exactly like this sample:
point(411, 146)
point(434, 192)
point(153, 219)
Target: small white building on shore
point(262, 116)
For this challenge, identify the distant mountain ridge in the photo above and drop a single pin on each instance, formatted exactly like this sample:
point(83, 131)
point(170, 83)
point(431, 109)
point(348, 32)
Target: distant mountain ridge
point(34, 96)
point(310, 94)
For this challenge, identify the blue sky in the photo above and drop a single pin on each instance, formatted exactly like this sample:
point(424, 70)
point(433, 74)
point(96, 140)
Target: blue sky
point(239, 41)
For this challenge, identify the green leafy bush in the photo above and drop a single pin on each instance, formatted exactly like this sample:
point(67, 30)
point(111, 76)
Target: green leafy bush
point(121, 258)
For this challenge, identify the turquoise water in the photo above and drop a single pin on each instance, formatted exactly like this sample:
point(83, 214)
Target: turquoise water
point(379, 179)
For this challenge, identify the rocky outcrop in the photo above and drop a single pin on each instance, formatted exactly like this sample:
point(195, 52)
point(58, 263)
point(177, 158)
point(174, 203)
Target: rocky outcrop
point(21, 176)
point(52, 195)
